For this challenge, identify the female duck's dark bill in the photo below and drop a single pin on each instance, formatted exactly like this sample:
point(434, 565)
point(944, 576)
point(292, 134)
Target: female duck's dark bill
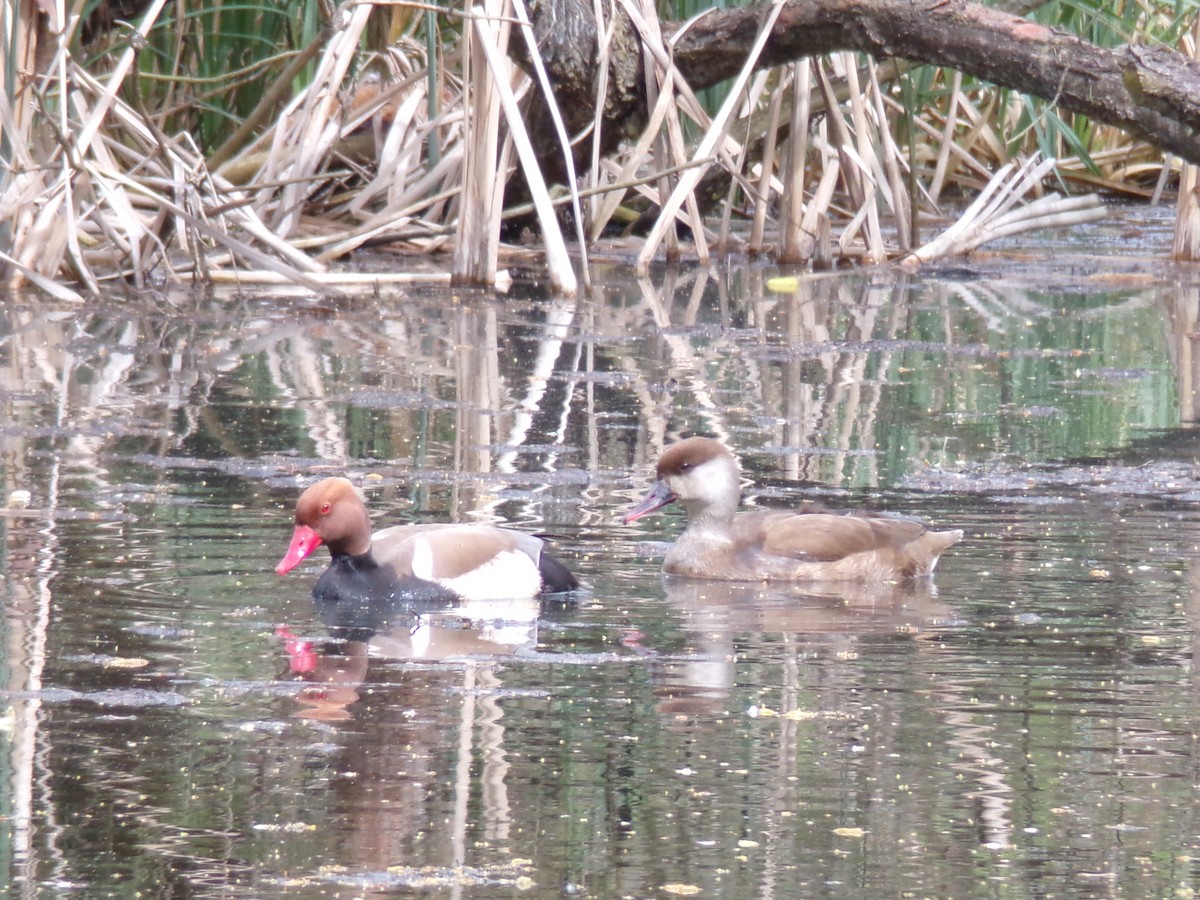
point(659, 496)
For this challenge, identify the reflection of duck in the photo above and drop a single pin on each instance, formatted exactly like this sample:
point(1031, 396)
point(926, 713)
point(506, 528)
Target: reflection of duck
point(414, 563)
point(400, 630)
point(777, 545)
point(333, 675)
point(715, 614)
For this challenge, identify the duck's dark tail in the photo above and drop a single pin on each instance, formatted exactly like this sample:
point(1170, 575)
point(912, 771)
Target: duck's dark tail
point(556, 578)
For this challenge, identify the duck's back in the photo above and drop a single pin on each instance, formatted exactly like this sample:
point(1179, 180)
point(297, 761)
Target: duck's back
point(784, 545)
point(475, 561)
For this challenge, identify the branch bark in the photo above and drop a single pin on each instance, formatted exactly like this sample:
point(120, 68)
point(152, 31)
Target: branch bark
point(1113, 86)
point(1151, 93)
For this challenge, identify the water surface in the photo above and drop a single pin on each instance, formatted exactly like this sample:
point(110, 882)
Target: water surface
point(1023, 726)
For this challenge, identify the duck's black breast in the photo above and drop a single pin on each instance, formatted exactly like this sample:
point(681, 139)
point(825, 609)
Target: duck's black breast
point(356, 597)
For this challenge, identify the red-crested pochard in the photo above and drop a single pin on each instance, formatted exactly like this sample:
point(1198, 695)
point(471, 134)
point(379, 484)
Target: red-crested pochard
point(414, 564)
point(777, 545)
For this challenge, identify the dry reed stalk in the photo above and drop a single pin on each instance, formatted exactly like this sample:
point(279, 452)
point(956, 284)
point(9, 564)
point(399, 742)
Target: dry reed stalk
point(302, 141)
point(1186, 243)
point(863, 154)
point(815, 225)
point(18, 272)
point(113, 186)
point(662, 103)
point(980, 138)
point(556, 256)
point(658, 95)
point(606, 28)
point(792, 237)
point(389, 225)
point(660, 85)
point(941, 169)
point(33, 198)
point(558, 260)
point(727, 151)
point(399, 150)
point(637, 157)
point(893, 163)
point(126, 229)
point(266, 105)
point(961, 156)
point(760, 185)
point(714, 136)
point(92, 123)
point(232, 208)
point(27, 26)
point(993, 215)
point(642, 187)
point(25, 194)
point(854, 173)
point(477, 247)
point(238, 253)
point(413, 190)
point(762, 196)
point(437, 180)
point(357, 280)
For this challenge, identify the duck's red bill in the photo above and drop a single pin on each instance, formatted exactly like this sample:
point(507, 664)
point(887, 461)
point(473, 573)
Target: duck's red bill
point(659, 496)
point(304, 542)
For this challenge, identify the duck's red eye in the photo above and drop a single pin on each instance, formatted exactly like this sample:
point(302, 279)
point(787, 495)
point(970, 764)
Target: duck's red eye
point(325, 507)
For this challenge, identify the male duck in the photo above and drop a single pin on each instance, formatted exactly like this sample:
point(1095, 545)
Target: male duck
point(777, 545)
point(414, 565)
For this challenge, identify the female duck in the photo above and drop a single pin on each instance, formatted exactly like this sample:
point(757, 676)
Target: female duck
point(777, 545)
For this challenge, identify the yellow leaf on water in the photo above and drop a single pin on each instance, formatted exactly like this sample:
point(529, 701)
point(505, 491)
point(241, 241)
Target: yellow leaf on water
point(682, 890)
point(125, 662)
point(799, 715)
point(785, 284)
point(849, 832)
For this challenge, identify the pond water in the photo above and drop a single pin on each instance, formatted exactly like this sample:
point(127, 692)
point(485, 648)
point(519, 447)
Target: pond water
point(1023, 726)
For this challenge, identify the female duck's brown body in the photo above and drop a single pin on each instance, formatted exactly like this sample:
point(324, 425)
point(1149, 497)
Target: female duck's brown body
point(414, 564)
point(777, 545)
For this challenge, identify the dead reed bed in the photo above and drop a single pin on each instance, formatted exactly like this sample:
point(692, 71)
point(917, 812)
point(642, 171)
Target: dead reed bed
point(819, 161)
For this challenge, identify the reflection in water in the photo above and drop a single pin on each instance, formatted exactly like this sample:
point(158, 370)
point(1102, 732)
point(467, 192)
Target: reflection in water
point(406, 723)
point(816, 619)
point(1182, 303)
point(476, 630)
point(28, 556)
point(455, 702)
point(823, 380)
point(1027, 726)
point(714, 615)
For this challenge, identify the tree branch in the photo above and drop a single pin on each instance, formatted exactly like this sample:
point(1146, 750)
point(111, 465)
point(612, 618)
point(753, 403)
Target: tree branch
point(1151, 94)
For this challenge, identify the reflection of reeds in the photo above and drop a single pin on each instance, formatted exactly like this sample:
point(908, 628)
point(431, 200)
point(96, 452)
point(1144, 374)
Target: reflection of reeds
point(844, 379)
